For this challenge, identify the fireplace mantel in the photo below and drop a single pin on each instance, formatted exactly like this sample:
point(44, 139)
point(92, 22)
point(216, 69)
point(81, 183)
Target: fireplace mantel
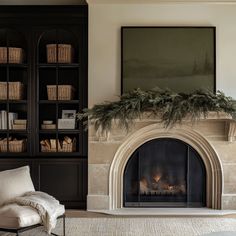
point(212, 137)
point(227, 120)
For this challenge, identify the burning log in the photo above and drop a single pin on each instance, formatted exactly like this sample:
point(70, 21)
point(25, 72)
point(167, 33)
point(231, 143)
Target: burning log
point(160, 187)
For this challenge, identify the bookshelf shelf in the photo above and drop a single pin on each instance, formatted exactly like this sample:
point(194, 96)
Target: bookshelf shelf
point(11, 131)
point(13, 101)
point(58, 154)
point(58, 65)
point(13, 65)
point(14, 154)
point(59, 102)
point(60, 131)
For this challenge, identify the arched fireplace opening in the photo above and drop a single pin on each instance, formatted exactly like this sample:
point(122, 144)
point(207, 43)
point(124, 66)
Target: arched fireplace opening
point(164, 172)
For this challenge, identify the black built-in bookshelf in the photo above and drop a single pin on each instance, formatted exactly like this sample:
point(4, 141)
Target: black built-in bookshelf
point(62, 174)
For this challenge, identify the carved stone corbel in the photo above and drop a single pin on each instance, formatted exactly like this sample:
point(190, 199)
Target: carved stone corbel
point(231, 130)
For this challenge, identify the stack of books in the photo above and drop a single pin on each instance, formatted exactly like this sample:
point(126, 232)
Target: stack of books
point(19, 124)
point(13, 121)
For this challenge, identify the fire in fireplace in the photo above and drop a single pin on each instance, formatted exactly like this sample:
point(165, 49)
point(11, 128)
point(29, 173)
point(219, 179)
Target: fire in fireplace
point(165, 173)
point(159, 184)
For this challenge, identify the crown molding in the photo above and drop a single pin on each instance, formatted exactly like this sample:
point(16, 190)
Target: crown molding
point(92, 2)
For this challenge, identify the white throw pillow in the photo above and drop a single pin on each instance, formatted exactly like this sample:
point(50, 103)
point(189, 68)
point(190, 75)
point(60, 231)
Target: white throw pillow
point(14, 183)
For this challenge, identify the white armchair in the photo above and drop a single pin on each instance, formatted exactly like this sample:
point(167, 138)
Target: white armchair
point(13, 217)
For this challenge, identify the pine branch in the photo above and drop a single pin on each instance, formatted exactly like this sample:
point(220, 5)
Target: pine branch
point(171, 107)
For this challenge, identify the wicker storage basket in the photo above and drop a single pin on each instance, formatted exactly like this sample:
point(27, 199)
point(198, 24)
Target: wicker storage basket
point(14, 145)
point(16, 90)
point(65, 92)
point(71, 147)
point(65, 147)
point(15, 55)
point(65, 53)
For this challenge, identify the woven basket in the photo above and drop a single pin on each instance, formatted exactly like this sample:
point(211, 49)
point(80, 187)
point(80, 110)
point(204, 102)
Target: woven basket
point(15, 55)
point(71, 147)
point(65, 92)
point(65, 53)
point(16, 90)
point(14, 145)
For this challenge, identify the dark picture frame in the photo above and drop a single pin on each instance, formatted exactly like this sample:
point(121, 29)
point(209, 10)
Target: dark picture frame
point(181, 57)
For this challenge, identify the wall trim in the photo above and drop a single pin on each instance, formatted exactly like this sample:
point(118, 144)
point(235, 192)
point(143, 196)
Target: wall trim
point(146, 2)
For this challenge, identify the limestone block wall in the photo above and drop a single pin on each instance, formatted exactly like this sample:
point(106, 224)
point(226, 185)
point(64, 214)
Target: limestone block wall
point(103, 149)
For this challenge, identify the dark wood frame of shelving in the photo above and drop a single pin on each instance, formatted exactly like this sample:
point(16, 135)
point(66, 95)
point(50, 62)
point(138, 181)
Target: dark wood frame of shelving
point(50, 166)
point(33, 66)
point(9, 67)
point(80, 84)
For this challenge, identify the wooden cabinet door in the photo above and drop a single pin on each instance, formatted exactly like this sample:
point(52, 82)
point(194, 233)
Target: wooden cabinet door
point(64, 179)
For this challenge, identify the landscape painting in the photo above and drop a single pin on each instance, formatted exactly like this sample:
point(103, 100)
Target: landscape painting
point(178, 58)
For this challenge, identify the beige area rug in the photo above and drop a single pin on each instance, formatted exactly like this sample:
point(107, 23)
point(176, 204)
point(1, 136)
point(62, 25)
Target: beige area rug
point(142, 227)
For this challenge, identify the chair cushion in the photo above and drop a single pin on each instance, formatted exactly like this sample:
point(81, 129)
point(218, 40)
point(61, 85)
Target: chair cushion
point(13, 216)
point(15, 183)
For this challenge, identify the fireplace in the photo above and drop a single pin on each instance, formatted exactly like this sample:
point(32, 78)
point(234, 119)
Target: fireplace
point(165, 172)
point(201, 155)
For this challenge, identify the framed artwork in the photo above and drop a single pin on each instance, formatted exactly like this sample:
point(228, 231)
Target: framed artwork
point(68, 114)
point(179, 58)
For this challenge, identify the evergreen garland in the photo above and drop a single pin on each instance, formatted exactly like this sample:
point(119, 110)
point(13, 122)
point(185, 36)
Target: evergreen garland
point(170, 107)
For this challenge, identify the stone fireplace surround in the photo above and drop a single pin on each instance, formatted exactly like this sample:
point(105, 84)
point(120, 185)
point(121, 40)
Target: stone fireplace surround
point(213, 138)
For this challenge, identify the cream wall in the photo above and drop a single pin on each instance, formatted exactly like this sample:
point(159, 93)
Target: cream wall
point(105, 21)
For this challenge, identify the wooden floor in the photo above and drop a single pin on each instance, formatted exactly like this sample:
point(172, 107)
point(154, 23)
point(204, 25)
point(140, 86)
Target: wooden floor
point(87, 214)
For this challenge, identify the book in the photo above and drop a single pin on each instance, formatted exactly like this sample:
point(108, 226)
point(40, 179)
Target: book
point(19, 127)
point(11, 117)
point(3, 119)
point(20, 122)
point(52, 126)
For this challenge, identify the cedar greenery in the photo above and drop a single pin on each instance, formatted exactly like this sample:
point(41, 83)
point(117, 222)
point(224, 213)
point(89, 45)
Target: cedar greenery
point(170, 107)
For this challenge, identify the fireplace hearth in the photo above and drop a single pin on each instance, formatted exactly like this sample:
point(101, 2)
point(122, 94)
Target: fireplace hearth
point(165, 172)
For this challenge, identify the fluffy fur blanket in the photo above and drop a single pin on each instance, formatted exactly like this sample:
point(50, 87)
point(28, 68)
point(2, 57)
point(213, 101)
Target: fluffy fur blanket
point(44, 204)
